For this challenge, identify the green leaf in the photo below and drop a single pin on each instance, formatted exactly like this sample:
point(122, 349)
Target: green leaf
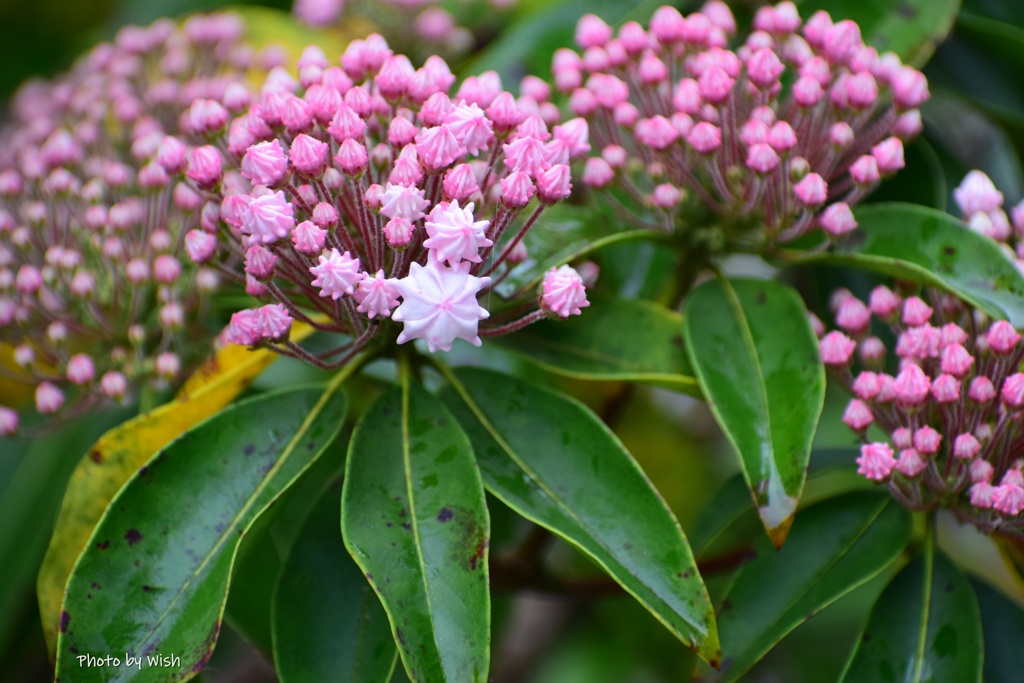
point(552, 460)
point(415, 521)
point(836, 546)
point(912, 29)
point(120, 452)
point(923, 245)
point(327, 623)
point(154, 576)
point(1002, 623)
point(614, 339)
point(751, 344)
point(28, 505)
point(925, 627)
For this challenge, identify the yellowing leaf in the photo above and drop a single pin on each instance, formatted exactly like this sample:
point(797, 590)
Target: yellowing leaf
point(123, 450)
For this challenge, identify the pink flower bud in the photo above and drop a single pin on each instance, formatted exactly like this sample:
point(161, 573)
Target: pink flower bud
point(838, 220)
point(916, 311)
point(705, 137)
point(171, 315)
point(553, 184)
point(206, 116)
point(977, 194)
point(376, 295)
point(837, 349)
point(336, 274)
point(592, 31)
point(981, 470)
point(965, 447)
point(1002, 338)
point(167, 365)
point(80, 369)
point(981, 390)
point(956, 360)
point(8, 421)
point(563, 292)
point(597, 172)
point(666, 196)
point(927, 440)
point(876, 461)
point(205, 166)
point(265, 163)
point(1013, 390)
point(867, 385)
point(351, 157)
point(166, 269)
point(460, 183)
point(811, 191)
point(259, 262)
point(398, 231)
point(401, 131)
point(889, 155)
point(865, 170)
point(49, 398)
point(841, 134)
point(172, 154)
point(910, 463)
point(858, 415)
point(909, 88)
point(346, 125)
point(1008, 499)
point(308, 155)
point(762, 158)
point(516, 190)
point(911, 386)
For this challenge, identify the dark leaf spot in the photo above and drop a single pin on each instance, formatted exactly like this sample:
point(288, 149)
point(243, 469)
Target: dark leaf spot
point(407, 526)
point(762, 297)
point(444, 515)
point(147, 588)
point(906, 10)
point(96, 456)
point(103, 545)
point(132, 536)
point(478, 554)
point(249, 449)
point(65, 619)
point(95, 586)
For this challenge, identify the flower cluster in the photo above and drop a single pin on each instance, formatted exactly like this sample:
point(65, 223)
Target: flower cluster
point(95, 297)
point(431, 23)
point(953, 414)
point(793, 126)
point(981, 206)
point(366, 191)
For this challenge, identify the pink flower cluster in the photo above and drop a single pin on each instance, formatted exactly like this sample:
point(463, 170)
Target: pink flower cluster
point(981, 206)
point(953, 413)
point(364, 191)
point(95, 294)
point(430, 22)
point(794, 126)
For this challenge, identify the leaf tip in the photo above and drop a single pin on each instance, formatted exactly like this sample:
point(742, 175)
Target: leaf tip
point(777, 534)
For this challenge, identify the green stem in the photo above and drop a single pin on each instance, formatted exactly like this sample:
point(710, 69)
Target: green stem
point(926, 598)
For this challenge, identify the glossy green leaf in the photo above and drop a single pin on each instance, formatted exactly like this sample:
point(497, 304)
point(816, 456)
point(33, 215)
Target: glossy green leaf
point(835, 546)
point(120, 452)
point(912, 29)
point(154, 577)
point(923, 245)
point(614, 339)
point(752, 347)
point(415, 521)
point(265, 546)
point(552, 460)
point(327, 623)
point(1002, 622)
point(29, 497)
point(924, 628)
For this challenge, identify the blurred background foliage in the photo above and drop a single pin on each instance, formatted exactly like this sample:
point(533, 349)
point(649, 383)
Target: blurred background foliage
point(974, 120)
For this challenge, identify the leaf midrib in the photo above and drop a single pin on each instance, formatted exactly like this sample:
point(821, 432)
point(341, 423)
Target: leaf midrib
point(506, 447)
point(820, 573)
point(414, 519)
